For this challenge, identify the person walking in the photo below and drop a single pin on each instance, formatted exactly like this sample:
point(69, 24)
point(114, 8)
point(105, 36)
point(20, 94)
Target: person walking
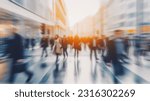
point(57, 48)
point(77, 46)
point(65, 46)
point(44, 45)
point(116, 49)
point(52, 41)
point(93, 47)
point(15, 52)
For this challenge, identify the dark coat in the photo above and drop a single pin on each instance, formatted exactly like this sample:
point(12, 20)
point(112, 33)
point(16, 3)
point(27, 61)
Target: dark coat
point(77, 43)
point(112, 52)
point(100, 43)
point(15, 47)
point(113, 57)
point(44, 42)
point(64, 43)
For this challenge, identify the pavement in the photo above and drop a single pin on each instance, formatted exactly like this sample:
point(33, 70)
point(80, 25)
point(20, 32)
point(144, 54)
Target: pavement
point(80, 71)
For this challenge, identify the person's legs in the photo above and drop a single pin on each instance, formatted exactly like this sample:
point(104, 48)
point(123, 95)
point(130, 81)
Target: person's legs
point(103, 50)
point(12, 73)
point(77, 53)
point(46, 53)
point(51, 47)
point(64, 53)
point(29, 74)
point(95, 54)
point(91, 51)
point(57, 56)
point(42, 52)
point(115, 80)
point(12, 76)
point(115, 72)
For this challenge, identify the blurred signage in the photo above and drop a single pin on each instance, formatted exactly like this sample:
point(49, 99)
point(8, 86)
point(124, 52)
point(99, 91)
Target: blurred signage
point(145, 29)
point(131, 31)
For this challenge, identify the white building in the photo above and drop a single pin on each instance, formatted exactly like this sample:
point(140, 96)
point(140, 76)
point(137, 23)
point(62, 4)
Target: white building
point(84, 27)
point(30, 14)
point(127, 15)
point(61, 17)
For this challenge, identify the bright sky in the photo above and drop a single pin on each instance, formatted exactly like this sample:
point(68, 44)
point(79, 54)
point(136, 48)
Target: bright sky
point(79, 9)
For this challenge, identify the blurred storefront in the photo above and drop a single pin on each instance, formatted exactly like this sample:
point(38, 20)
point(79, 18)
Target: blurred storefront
point(28, 14)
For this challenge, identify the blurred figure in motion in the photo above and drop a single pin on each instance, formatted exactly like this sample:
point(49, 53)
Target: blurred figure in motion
point(70, 41)
point(44, 45)
point(83, 40)
point(57, 47)
point(127, 45)
point(137, 50)
point(16, 53)
point(77, 46)
point(52, 41)
point(102, 44)
point(33, 43)
point(65, 46)
point(115, 53)
point(93, 47)
point(27, 43)
point(76, 69)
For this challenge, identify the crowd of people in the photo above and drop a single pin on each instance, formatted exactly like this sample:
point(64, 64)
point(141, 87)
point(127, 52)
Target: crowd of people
point(114, 49)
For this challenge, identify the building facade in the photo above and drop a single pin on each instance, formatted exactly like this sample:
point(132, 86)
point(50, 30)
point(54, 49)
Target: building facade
point(129, 15)
point(29, 15)
point(61, 17)
point(84, 27)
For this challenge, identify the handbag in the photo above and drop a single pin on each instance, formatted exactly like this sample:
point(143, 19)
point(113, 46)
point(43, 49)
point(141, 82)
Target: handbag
point(21, 66)
point(105, 57)
point(58, 49)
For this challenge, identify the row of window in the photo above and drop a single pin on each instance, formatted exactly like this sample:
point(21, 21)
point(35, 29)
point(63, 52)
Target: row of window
point(38, 7)
point(142, 4)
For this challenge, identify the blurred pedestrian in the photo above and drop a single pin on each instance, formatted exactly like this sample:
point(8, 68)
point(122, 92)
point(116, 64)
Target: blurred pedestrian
point(93, 47)
point(33, 43)
point(77, 46)
point(65, 46)
point(57, 47)
point(70, 42)
point(44, 45)
point(52, 41)
point(27, 43)
point(115, 53)
point(16, 53)
point(102, 42)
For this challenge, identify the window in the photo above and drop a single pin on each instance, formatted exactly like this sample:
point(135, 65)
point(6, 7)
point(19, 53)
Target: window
point(38, 7)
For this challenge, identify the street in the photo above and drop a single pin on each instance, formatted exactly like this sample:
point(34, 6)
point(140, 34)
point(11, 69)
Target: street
point(80, 71)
